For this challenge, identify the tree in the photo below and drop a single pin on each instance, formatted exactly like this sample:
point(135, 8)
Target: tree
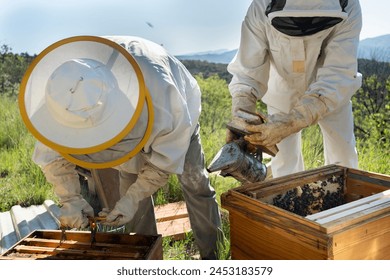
point(207, 69)
point(12, 69)
point(371, 106)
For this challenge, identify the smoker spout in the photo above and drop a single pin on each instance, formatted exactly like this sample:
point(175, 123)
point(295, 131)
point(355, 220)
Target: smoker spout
point(232, 160)
point(226, 158)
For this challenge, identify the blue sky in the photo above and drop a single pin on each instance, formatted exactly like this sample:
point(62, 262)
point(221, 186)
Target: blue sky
point(182, 26)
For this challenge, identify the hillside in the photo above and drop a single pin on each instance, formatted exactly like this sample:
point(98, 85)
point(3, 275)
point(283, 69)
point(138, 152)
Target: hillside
point(207, 69)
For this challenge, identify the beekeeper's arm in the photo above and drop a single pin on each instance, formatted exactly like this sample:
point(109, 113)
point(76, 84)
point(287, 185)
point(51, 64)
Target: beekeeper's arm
point(149, 180)
point(337, 80)
point(65, 180)
point(250, 67)
point(167, 151)
point(165, 155)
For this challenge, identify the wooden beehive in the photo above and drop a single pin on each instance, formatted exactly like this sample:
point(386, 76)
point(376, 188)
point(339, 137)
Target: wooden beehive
point(345, 216)
point(47, 244)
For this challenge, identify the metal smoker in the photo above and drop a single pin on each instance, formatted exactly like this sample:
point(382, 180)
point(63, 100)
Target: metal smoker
point(232, 160)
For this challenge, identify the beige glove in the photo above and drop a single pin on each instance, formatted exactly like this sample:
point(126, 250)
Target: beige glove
point(241, 100)
point(65, 179)
point(307, 112)
point(75, 212)
point(149, 180)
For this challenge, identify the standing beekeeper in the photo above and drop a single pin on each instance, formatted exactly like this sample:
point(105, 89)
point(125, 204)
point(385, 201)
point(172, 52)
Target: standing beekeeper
point(121, 102)
point(300, 58)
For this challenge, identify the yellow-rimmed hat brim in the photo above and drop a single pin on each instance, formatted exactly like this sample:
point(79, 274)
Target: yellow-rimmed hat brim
point(32, 79)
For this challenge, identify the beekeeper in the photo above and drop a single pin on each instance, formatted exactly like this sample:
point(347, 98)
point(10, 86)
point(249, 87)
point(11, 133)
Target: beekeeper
point(121, 102)
point(300, 58)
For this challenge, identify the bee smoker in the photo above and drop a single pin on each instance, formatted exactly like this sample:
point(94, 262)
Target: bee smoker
point(232, 160)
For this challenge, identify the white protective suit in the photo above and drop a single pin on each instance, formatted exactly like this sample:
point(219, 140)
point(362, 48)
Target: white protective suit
point(173, 148)
point(304, 76)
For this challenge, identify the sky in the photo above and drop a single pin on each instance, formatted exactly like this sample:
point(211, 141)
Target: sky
point(181, 26)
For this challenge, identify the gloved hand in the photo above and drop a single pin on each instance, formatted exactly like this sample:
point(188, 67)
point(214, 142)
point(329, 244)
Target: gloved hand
point(279, 126)
point(123, 211)
point(65, 180)
point(149, 180)
point(75, 212)
point(240, 100)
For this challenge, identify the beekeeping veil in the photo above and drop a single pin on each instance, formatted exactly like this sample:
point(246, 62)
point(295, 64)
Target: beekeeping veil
point(302, 17)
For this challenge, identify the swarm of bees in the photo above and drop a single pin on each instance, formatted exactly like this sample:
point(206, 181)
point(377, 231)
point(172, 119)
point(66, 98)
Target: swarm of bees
point(314, 197)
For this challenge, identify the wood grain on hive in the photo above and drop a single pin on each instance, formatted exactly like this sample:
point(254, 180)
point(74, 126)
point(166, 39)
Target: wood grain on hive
point(275, 219)
point(49, 244)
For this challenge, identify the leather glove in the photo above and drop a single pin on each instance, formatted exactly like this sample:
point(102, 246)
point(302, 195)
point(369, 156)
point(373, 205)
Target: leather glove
point(65, 179)
point(241, 100)
point(149, 180)
point(122, 213)
point(279, 126)
point(75, 213)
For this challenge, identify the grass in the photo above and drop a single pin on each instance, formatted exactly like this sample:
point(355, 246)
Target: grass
point(374, 157)
point(23, 183)
point(312, 147)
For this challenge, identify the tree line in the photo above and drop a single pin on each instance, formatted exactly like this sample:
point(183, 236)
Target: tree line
point(12, 68)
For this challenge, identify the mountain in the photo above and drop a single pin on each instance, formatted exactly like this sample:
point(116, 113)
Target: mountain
point(377, 48)
point(213, 56)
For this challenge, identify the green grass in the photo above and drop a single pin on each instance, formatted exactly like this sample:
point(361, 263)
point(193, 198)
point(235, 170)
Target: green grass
point(312, 147)
point(21, 181)
point(374, 157)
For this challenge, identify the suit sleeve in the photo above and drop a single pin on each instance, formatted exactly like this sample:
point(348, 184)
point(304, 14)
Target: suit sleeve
point(337, 79)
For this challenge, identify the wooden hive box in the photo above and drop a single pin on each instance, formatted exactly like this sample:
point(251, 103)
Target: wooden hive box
point(46, 244)
point(331, 212)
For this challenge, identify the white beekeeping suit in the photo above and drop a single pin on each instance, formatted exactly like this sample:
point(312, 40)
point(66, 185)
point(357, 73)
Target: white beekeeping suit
point(120, 102)
point(300, 58)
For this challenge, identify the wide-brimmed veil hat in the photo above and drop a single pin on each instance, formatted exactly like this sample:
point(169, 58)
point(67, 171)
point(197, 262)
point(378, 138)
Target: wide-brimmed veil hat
point(85, 97)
